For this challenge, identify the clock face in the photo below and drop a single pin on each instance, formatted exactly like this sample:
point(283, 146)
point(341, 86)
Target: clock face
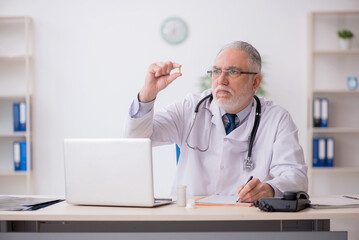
point(174, 30)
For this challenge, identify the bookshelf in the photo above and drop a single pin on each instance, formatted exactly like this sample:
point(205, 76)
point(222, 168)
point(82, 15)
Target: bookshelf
point(328, 69)
point(16, 85)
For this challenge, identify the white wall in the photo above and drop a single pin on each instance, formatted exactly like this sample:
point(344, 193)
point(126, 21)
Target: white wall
point(91, 57)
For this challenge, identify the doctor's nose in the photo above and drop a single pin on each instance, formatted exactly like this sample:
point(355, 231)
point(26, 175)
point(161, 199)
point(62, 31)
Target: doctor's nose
point(223, 79)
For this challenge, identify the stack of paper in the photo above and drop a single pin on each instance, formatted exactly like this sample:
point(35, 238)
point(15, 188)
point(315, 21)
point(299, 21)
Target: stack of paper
point(335, 202)
point(221, 200)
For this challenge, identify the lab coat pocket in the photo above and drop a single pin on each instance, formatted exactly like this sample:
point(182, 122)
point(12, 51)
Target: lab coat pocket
point(234, 152)
point(260, 165)
point(237, 155)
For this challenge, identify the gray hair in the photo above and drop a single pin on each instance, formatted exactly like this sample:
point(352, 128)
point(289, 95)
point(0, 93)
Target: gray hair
point(255, 60)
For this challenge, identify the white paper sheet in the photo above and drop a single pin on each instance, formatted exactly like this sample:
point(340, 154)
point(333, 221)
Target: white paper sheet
point(221, 200)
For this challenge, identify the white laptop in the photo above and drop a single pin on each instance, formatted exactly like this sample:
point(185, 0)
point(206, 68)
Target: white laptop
point(115, 172)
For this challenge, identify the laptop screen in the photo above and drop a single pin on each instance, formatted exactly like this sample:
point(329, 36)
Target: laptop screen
point(109, 172)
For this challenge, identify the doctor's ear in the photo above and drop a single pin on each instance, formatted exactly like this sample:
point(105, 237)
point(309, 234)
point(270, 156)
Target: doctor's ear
point(257, 79)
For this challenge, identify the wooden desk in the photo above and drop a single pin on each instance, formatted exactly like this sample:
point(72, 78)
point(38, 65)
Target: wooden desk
point(161, 221)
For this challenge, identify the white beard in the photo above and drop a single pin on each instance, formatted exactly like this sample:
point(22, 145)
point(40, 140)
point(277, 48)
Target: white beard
point(237, 101)
point(229, 105)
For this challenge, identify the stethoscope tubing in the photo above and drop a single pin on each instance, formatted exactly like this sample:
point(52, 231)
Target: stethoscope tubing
point(202, 100)
point(255, 126)
point(254, 129)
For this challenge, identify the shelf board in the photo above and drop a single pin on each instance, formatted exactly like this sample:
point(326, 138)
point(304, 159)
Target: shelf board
point(336, 92)
point(335, 13)
point(336, 52)
point(12, 18)
point(13, 97)
point(335, 169)
point(14, 57)
point(335, 130)
point(13, 173)
point(14, 134)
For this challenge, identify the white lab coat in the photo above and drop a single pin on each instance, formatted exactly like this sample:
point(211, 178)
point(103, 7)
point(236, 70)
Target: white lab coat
point(278, 158)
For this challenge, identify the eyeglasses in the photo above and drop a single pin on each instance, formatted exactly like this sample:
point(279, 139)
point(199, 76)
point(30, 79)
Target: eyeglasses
point(230, 73)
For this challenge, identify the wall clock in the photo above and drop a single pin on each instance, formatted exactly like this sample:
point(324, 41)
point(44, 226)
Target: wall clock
point(174, 30)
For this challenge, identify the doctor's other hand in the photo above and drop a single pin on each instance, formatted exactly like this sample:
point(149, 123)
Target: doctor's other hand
point(254, 190)
point(158, 77)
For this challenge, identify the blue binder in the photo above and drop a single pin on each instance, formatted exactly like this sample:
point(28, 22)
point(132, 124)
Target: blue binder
point(329, 161)
point(321, 152)
point(19, 116)
point(316, 112)
point(324, 112)
point(20, 156)
point(315, 152)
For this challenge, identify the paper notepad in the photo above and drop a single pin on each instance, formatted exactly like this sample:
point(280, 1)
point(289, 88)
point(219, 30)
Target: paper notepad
point(221, 200)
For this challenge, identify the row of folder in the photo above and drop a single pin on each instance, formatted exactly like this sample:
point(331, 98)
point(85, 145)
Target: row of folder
point(323, 152)
point(20, 161)
point(320, 112)
point(19, 116)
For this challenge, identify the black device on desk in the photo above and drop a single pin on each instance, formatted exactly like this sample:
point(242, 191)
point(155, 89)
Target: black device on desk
point(290, 202)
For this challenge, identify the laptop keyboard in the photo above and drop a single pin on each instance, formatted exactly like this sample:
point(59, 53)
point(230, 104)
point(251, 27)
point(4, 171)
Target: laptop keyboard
point(161, 200)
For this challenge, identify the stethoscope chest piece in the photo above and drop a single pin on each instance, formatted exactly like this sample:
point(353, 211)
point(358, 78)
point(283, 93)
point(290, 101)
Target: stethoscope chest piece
point(248, 164)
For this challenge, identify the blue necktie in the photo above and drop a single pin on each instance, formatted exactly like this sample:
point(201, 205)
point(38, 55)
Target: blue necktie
point(232, 123)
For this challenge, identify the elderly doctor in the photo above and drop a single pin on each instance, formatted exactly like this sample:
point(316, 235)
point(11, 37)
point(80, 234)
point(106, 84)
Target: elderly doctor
point(229, 136)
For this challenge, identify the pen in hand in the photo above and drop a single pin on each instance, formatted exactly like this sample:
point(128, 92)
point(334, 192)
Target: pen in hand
point(250, 178)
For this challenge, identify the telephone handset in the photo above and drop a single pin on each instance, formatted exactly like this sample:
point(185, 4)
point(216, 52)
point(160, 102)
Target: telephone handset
point(292, 201)
point(291, 195)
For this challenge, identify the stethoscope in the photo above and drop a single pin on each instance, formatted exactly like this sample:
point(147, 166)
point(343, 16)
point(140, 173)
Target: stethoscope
point(248, 163)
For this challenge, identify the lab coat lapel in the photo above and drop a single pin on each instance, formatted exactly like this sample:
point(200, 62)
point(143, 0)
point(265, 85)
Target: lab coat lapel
point(217, 118)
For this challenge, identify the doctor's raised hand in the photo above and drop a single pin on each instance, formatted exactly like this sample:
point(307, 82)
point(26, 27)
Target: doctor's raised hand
point(158, 77)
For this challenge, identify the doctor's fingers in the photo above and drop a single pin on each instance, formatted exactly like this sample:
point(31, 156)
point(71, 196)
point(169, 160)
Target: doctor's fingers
point(162, 68)
point(172, 77)
point(247, 188)
point(252, 197)
point(261, 190)
point(240, 188)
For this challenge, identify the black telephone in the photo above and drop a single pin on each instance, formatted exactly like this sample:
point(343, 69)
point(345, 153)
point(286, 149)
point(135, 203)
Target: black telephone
point(291, 201)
